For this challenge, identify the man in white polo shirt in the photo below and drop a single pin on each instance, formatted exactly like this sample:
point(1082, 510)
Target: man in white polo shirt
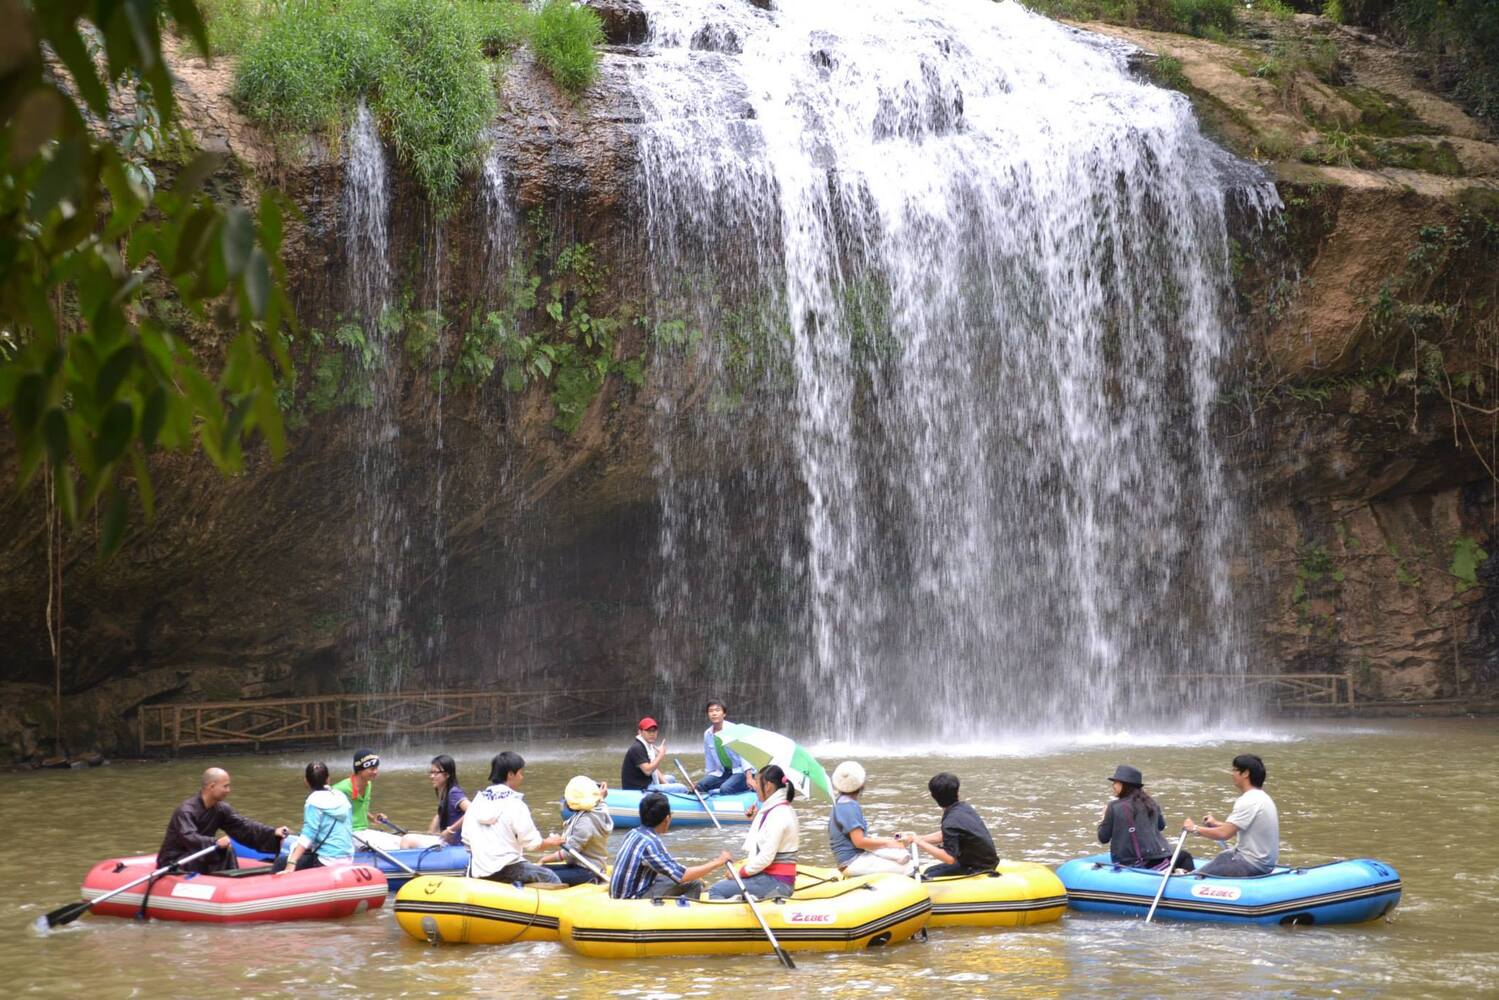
point(1254, 820)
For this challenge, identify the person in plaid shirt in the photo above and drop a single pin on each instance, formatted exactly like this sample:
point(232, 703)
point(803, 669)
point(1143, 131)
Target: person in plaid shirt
point(645, 869)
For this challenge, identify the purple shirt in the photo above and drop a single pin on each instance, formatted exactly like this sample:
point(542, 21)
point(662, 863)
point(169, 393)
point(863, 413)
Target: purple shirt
point(448, 814)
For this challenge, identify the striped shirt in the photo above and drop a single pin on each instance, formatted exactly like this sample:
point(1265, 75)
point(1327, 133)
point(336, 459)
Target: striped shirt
point(641, 858)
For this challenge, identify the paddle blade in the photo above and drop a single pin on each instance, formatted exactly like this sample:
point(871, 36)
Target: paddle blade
point(785, 957)
point(64, 914)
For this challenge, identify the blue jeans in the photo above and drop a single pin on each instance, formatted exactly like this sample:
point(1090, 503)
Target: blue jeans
point(523, 871)
point(668, 788)
point(760, 886)
point(1232, 864)
point(723, 784)
point(572, 874)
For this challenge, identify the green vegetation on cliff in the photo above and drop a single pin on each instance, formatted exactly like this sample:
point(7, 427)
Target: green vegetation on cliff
point(1212, 18)
point(93, 380)
point(424, 66)
point(1459, 40)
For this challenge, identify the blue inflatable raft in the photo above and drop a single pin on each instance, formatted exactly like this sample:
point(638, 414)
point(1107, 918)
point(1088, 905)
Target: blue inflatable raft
point(1341, 892)
point(624, 805)
point(448, 859)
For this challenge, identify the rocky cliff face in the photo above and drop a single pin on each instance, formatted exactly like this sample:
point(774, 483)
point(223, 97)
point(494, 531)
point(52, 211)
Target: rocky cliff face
point(1367, 391)
point(1363, 421)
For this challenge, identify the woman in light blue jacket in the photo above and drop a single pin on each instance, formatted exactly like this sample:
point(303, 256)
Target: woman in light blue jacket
point(327, 836)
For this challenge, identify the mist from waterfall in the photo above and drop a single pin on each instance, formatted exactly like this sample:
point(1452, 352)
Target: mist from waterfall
point(951, 287)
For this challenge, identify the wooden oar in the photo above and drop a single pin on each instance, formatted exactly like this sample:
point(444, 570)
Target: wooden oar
point(781, 953)
point(1169, 866)
point(770, 936)
point(379, 853)
point(701, 801)
point(71, 912)
point(586, 863)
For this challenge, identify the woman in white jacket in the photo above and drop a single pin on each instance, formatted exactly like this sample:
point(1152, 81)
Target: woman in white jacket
point(769, 869)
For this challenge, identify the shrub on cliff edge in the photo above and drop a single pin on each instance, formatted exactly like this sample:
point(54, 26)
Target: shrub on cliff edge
point(565, 39)
point(418, 62)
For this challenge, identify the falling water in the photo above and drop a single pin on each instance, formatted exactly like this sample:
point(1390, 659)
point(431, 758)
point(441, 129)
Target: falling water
point(366, 214)
point(962, 284)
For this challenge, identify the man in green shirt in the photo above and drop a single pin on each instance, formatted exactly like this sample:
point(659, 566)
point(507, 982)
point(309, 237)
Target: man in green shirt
point(358, 789)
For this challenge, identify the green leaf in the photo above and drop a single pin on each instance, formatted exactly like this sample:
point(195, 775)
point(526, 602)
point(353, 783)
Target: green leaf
point(143, 483)
point(112, 531)
point(554, 310)
point(258, 282)
point(113, 372)
point(114, 433)
point(237, 238)
point(55, 431)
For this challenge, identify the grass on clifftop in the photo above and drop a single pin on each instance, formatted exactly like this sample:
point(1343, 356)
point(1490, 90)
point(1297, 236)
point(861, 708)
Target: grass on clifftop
point(565, 40)
point(1210, 18)
point(424, 66)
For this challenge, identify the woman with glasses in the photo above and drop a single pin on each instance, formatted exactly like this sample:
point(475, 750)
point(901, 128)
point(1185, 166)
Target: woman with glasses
point(452, 803)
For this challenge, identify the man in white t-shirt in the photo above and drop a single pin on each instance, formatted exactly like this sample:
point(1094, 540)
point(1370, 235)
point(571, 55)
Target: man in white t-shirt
point(1254, 820)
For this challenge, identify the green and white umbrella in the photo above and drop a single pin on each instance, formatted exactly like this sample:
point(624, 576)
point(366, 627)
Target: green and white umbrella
point(763, 747)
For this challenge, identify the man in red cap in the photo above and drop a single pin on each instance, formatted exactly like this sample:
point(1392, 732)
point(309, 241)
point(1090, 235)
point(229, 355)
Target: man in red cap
point(641, 770)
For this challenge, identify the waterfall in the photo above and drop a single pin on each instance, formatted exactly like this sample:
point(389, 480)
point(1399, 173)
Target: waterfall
point(962, 289)
point(382, 644)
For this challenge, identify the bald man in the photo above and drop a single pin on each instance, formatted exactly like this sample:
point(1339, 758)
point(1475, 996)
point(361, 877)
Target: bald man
point(194, 824)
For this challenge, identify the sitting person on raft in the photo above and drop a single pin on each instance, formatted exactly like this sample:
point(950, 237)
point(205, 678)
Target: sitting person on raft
point(641, 770)
point(452, 803)
point(198, 818)
point(498, 827)
point(645, 869)
point(769, 867)
point(1254, 820)
point(585, 834)
point(1132, 825)
point(963, 845)
point(359, 788)
point(724, 771)
point(327, 836)
point(855, 852)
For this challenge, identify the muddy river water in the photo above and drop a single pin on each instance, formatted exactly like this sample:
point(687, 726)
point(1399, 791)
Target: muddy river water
point(1420, 795)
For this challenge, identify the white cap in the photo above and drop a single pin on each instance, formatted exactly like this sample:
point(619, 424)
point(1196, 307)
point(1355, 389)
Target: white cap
point(848, 777)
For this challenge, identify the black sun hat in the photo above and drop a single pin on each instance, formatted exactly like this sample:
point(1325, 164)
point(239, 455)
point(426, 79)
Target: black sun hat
point(1128, 775)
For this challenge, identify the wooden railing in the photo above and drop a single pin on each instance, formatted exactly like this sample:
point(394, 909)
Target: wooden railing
point(346, 716)
point(1309, 691)
point(340, 717)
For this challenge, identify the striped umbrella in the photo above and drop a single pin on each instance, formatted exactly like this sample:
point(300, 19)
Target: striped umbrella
point(764, 747)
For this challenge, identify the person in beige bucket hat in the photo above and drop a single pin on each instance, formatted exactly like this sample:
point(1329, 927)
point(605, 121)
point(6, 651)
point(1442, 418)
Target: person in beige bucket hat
point(856, 852)
point(586, 831)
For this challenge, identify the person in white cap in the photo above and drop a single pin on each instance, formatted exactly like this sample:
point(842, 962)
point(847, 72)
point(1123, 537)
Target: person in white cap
point(856, 852)
point(586, 832)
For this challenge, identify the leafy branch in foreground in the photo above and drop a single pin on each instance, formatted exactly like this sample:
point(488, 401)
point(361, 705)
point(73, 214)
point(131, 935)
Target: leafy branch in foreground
point(90, 381)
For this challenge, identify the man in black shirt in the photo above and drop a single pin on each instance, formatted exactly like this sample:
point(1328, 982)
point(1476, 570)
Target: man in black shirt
point(966, 846)
point(641, 770)
point(197, 819)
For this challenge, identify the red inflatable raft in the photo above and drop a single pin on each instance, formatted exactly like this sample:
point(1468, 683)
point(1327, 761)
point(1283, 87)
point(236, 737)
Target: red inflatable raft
point(241, 896)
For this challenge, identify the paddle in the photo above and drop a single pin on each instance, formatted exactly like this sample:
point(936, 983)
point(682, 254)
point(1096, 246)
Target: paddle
point(71, 912)
point(1169, 866)
point(775, 945)
point(379, 853)
point(586, 863)
point(701, 801)
point(397, 829)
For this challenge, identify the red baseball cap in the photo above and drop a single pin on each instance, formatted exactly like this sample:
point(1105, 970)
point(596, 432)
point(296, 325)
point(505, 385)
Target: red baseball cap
point(648, 723)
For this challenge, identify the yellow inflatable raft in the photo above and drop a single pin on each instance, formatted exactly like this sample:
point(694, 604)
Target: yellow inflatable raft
point(846, 915)
point(458, 910)
point(1015, 894)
